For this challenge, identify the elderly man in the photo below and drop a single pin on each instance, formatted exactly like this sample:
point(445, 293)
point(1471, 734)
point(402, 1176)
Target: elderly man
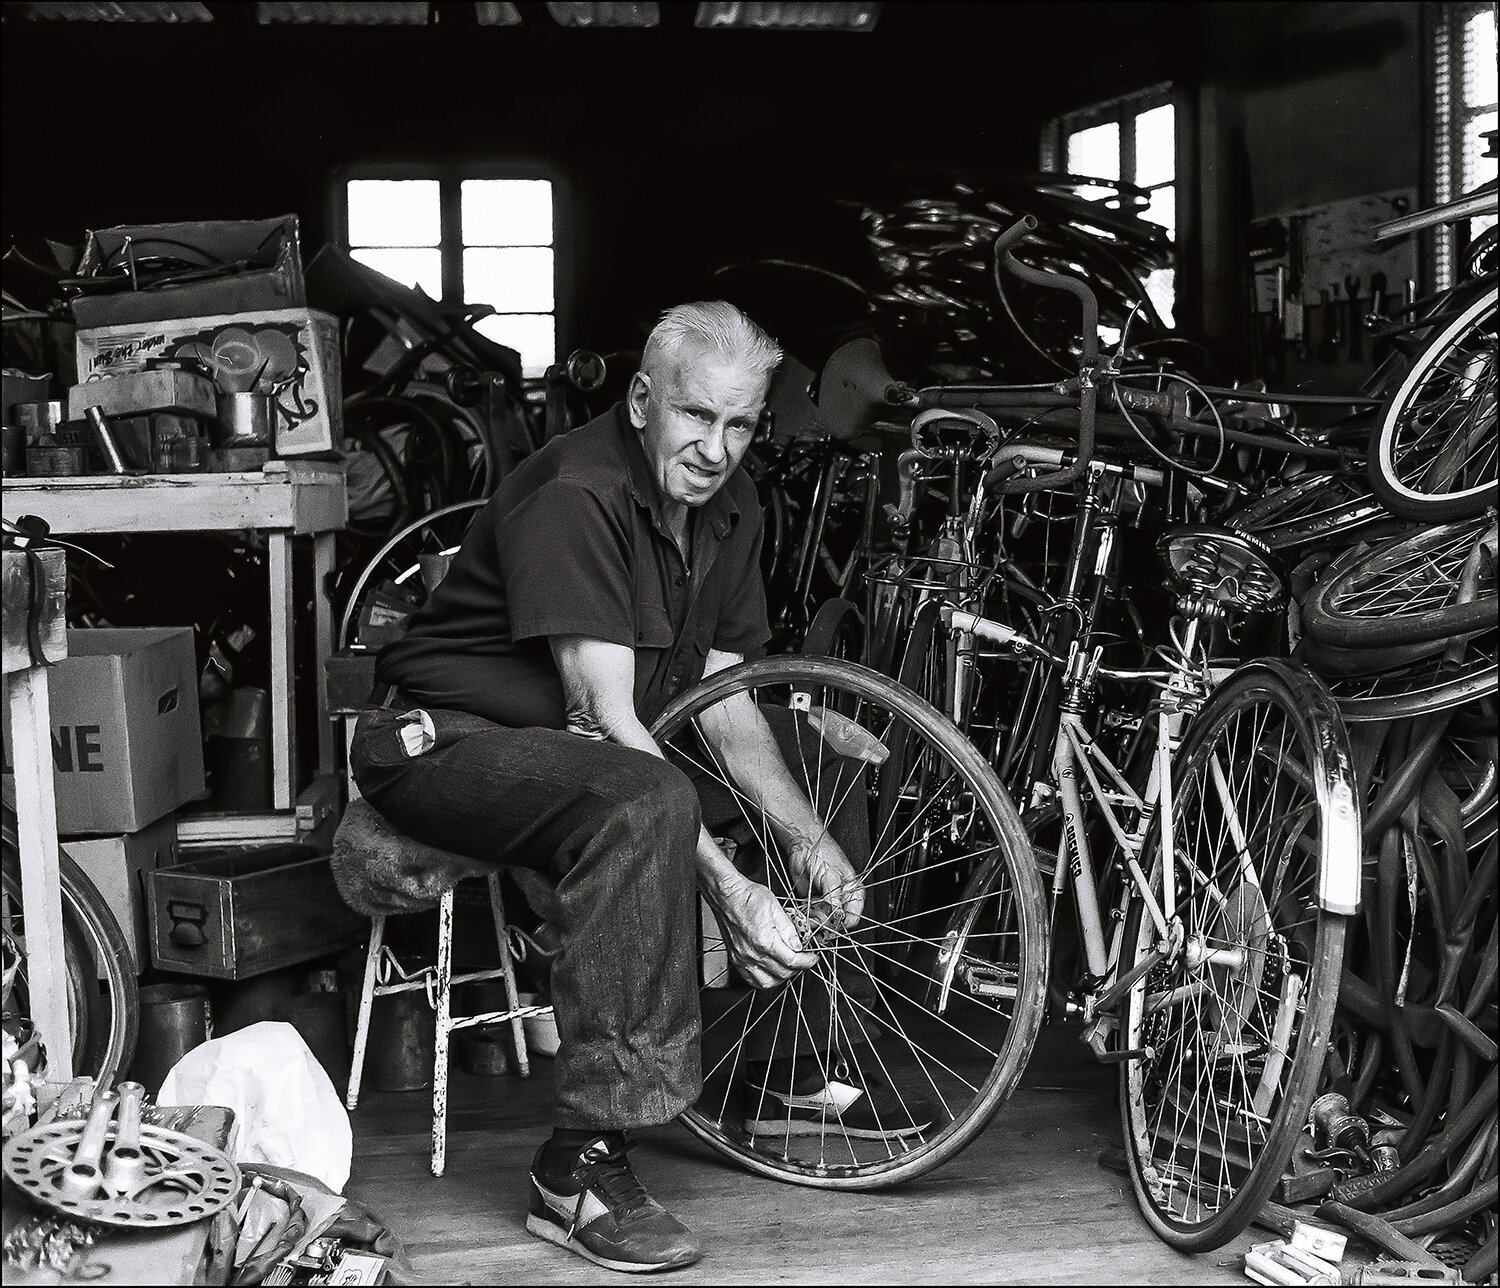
point(614, 568)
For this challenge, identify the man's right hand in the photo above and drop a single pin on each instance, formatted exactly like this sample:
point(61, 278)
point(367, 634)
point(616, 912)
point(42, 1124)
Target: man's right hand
point(763, 943)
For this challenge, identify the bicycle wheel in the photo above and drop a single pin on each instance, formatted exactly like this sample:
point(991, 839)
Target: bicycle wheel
point(1232, 1020)
point(103, 1006)
point(1435, 583)
point(1318, 507)
point(399, 576)
point(1432, 457)
point(1464, 671)
point(939, 1006)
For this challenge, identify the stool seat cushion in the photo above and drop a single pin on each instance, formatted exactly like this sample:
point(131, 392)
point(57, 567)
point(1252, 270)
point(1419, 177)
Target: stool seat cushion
point(379, 872)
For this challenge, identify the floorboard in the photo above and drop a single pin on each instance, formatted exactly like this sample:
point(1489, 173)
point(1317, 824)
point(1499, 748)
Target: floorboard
point(1027, 1202)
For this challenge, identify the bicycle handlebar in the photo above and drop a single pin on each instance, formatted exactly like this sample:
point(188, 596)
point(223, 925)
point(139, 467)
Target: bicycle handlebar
point(1088, 393)
point(1016, 457)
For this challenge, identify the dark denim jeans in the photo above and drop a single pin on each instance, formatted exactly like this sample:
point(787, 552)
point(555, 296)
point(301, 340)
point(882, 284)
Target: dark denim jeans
point(612, 834)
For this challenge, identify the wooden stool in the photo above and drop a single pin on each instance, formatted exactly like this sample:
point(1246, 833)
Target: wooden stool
point(380, 872)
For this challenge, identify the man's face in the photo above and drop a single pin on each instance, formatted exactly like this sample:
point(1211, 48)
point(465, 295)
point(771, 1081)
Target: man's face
point(696, 419)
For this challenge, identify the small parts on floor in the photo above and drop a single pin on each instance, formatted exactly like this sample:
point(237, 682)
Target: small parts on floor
point(1315, 1255)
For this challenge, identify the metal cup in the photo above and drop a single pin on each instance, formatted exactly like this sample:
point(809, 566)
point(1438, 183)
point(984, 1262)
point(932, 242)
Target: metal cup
point(245, 420)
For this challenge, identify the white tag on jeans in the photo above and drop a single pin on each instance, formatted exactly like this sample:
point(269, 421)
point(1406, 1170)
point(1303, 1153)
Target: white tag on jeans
point(417, 733)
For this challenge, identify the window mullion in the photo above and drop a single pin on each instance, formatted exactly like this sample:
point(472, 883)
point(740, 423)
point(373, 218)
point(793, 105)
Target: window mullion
point(450, 214)
point(1127, 146)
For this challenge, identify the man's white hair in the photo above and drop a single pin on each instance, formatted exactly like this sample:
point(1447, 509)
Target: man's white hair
point(716, 325)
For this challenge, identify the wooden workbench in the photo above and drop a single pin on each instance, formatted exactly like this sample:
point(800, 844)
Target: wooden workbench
point(288, 500)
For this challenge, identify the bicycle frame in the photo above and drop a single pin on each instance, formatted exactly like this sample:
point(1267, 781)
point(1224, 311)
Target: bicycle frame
point(1077, 760)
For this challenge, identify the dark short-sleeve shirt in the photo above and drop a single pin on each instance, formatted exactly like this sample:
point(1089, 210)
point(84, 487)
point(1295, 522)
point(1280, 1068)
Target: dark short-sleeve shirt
point(573, 543)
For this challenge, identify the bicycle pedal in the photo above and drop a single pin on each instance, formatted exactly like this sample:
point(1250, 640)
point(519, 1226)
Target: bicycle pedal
point(1125, 1057)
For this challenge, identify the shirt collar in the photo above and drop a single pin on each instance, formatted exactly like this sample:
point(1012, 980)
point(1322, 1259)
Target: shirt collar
point(721, 513)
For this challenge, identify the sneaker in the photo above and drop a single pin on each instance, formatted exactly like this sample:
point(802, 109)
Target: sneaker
point(602, 1212)
point(818, 1100)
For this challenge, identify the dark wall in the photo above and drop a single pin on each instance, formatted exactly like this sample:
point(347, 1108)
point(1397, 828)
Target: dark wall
point(1298, 105)
point(679, 149)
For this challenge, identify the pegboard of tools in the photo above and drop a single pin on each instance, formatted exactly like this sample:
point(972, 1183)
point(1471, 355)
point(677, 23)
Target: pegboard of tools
point(1319, 273)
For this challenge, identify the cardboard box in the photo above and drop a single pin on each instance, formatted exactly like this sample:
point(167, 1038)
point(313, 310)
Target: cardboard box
point(292, 354)
point(235, 913)
point(119, 867)
point(271, 245)
point(133, 393)
point(127, 742)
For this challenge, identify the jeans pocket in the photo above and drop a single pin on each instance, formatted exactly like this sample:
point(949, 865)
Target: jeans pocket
point(377, 741)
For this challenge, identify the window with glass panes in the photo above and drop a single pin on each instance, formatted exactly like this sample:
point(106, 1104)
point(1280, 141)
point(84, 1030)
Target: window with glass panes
point(1464, 94)
point(1126, 140)
point(467, 241)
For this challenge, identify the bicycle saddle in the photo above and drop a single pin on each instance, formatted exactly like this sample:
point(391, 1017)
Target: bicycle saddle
point(1224, 568)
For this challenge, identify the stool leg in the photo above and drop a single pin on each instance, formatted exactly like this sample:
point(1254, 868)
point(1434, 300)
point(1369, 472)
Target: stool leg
point(440, 1041)
point(366, 998)
point(512, 999)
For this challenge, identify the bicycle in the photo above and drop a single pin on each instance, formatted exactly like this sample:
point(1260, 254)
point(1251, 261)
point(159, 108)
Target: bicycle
point(102, 995)
point(1236, 848)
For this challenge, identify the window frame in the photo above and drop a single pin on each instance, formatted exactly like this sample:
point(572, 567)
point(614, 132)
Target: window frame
point(1052, 153)
point(1446, 120)
point(450, 178)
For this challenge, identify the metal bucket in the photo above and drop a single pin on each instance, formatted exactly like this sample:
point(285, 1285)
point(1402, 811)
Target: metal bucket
point(175, 1018)
point(402, 1042)
point(319, 1018)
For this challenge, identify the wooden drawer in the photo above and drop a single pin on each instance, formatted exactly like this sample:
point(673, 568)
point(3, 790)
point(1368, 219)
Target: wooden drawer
point(231, 914)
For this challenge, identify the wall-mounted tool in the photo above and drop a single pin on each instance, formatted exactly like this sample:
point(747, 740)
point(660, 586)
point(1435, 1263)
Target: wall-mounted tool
point(1354, 327)
point(1293, 320)
point(1332, 342)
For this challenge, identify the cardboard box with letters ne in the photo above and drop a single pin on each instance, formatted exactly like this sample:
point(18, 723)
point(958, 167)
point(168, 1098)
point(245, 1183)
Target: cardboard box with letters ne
point(120, 867)
point(290, 354)
point(127, 741)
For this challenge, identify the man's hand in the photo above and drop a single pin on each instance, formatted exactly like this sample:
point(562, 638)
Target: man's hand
point(763, 943)
point(822, 871)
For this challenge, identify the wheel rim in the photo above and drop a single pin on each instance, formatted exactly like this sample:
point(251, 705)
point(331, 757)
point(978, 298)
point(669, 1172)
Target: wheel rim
point(1440, 441)
point(1430, 572)
point(932, 1005)
point(1211, 1109)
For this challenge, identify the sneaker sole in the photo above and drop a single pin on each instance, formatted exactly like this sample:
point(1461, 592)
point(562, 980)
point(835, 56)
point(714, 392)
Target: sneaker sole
point(830, 1126)
point(544, 1229)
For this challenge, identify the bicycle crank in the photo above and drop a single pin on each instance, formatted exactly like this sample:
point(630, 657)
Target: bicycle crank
point(181, 1178)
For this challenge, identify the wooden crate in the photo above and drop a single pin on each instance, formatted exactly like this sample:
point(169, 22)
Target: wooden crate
point(237, 913)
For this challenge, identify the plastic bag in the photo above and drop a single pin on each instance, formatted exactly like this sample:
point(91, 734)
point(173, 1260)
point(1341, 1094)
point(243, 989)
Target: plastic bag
point(285, 1108)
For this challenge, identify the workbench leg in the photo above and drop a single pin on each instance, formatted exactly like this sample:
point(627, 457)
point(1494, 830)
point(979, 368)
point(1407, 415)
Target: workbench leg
point(41, 883)
point(283, 676)
point(323, 647)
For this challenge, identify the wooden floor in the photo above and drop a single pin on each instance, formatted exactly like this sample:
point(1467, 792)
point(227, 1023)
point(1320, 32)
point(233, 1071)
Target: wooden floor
point(1028, 1202)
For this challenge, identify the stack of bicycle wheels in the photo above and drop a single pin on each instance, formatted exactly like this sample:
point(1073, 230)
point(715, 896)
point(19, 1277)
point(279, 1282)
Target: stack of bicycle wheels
point(1396, 611)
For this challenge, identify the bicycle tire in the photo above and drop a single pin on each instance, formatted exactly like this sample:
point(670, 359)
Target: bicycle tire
point(1405, 590)
point(103, 996)
point(1432, 457)
point(1287, 802)
point(837, 630)
point(1465, 672)
point(959, 1046)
